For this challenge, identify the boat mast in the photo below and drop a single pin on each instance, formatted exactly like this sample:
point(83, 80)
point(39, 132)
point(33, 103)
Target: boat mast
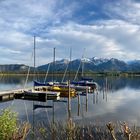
point(53, 64)
point(34, 56)
point(34, 49)
point(83, 64)
point(70, 64)
point(34, 87)
point(80, 66)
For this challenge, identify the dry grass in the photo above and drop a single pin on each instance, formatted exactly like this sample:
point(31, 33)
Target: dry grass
point(22, 132)
point(72, 131)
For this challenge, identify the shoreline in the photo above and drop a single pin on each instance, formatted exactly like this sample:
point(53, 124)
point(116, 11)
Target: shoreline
point(97, 74)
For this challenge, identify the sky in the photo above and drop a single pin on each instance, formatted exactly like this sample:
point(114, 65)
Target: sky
point(93, 28)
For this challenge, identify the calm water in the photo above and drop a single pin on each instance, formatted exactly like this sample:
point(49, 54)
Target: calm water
point(118, 99)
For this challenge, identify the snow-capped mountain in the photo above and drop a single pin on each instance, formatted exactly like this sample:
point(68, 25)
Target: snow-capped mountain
point(98, 61)
point(62, 61)
point(95, 64)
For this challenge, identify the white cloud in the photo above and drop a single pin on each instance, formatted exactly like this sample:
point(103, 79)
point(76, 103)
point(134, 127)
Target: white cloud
point(127, 10)
point(104, 40)
point(54, 23)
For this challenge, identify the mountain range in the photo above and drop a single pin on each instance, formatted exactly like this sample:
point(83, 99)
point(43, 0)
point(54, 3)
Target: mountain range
point(94, 64)
point(88, 64)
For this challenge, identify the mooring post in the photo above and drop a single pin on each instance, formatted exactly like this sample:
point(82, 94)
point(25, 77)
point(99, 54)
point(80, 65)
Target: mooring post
point(69, 101)
point(106, 85)
point(86, 98)
point(53, 112)
point(78, 113)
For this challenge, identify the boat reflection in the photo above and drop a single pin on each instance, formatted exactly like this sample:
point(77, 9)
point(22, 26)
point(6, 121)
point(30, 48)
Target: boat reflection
point(36, 106)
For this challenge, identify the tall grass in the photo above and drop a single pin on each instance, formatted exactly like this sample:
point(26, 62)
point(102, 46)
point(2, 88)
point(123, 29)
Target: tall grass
point(72, 131)
point(11, 129)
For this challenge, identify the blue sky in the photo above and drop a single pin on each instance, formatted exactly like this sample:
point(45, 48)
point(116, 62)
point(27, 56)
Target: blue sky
point(105, 28)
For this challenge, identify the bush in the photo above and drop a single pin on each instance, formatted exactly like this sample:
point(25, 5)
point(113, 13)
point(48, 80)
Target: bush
point(9, 127)
point(8, 124)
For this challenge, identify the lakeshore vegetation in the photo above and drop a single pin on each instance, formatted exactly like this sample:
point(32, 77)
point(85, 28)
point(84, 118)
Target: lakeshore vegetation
point(11, 129)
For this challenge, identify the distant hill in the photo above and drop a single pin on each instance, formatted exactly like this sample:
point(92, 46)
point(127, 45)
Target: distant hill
point(89, 64)
point(13, 68)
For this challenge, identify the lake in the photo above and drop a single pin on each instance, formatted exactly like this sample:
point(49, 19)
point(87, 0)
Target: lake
point(117, 99)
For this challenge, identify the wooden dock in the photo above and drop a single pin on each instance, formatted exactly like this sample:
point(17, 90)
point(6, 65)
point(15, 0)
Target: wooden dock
point(20, 94)
point(10, 94)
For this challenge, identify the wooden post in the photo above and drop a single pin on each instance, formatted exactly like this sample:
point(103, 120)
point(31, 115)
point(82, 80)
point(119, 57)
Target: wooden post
point(78, 113)
point(53, 124)
point(86, 98)
point(94, 98)
point(106, 88)
point(69, 101)
point(53, 112)
point(106, 84)
point(103, 95)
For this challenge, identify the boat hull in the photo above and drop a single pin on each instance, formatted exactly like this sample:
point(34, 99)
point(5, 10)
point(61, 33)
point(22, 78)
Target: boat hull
point(46, 94)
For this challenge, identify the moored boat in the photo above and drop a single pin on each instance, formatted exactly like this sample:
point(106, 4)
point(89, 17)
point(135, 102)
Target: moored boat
point(64, 91)
point(86, 82)
point(41, 93)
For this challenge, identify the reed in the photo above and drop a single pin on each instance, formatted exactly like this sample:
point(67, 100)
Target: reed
point(11, 129)
point(111, 127)
point(74, 131)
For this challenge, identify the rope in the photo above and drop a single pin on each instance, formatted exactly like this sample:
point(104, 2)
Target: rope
point(83, 62)
point(77, 71)
point(48, 116)
point(12, 103)
point(79, 66)
point(47, 73)
point(65, 73)
point(27, 116)
point(27, 76)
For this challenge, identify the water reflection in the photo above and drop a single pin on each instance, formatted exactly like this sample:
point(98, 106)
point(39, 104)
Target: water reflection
point(112, 83)
point(116, 100)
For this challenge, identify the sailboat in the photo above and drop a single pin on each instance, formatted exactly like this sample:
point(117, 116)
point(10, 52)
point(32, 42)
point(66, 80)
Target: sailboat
point(55, 86)
point(84, 82)
point(36, 92)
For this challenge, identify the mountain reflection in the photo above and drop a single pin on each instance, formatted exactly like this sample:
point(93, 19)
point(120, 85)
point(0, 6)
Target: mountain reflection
point(111, 83)
point(117, 83)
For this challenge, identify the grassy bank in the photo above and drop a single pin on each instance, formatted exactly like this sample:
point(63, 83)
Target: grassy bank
point(72, 131)
point(11, 129)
